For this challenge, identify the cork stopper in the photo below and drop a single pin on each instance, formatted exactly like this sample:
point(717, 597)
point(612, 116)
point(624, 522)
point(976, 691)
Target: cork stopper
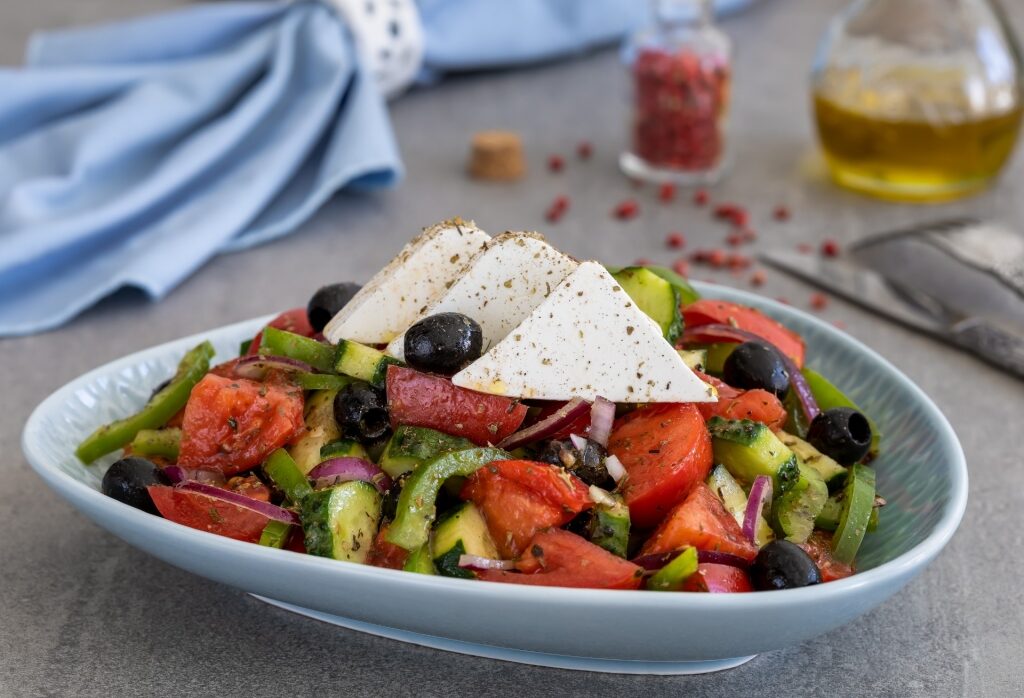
point(496, 156)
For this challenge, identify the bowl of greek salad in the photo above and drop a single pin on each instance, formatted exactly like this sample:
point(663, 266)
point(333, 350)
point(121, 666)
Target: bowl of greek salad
point(500, 430)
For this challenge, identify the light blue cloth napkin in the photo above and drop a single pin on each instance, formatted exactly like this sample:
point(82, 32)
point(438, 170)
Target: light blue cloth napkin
point(133, 152)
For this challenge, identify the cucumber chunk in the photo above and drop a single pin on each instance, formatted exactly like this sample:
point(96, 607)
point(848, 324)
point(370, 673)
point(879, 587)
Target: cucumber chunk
point(463, 532)
point(607, 523)
point(655, 296)
point(748, 449)
point(695, 359)
point(411, 446)
point(833, 474)
point(363, 362)
point(340, 522)
point(796, 510)
point(420, 561)
point(321, 429)
point(343, 448)
point(734, 499)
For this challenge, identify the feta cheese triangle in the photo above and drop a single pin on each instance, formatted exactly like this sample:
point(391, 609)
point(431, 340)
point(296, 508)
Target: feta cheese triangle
point(399, 292)
point(587, 339)
point(510, 277)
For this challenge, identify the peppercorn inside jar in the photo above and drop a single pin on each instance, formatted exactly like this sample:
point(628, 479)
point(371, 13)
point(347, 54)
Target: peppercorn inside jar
point(680, 69)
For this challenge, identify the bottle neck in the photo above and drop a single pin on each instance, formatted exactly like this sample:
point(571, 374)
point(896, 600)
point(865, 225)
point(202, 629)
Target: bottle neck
point(672, 14)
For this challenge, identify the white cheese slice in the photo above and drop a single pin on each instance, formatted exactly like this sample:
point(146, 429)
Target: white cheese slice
point(510, 277)
point(399, 292)
point(587, 339)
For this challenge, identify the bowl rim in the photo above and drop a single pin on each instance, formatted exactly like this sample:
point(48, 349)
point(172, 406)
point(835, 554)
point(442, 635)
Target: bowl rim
point(892, 572)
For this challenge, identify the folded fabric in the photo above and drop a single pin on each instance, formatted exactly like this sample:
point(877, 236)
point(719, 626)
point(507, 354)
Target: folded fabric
point(133, 152)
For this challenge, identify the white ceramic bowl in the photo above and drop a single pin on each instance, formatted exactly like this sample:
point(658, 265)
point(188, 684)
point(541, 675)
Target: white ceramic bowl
point(921, 472)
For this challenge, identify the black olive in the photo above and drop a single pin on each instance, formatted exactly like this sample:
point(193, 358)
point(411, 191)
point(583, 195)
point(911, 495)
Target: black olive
point(126, 481)
point(754, 365)
point(587, 463)
point(444, 343)
point(327, 301)
point(783, 565)
point(841, 433)
point(389, 504)
point(361, 411)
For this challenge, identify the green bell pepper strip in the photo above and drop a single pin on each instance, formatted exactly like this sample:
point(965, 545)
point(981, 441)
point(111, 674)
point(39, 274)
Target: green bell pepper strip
point(417, 504)
point(858, 501)
point(157, 442)
point(320, 381)
point(282, 469)
point(827, 396)
point(672, 576)
point(420, 561)
point(157, 412)
point(282, 343)
point(275, 534)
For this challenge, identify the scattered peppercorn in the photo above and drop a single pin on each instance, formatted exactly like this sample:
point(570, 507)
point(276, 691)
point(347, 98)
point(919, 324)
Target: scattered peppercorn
point(819, 301)
point(734, 213)
point(738, 261)
point(584, 150)
point(557, 209)
point(757, 278)
point(700, 197)
point(717, 258)
point(642, 262)
point(735, 239)
point(626, 210)
point(675, 241)
point(749, 235)
point(830, 248)
point(667, 192)
point(556, 163)
point(681, 267)
point(781, 213)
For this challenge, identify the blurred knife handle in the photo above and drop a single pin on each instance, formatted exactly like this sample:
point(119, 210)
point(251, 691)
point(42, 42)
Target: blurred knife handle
point(991, 343)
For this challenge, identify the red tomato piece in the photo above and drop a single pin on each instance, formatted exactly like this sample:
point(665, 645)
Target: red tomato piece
point(296, 540)
point(666, 450)
point(385, 554)
point(718, 579)
point(250, 486)
point(234, 424)
point(819, 547)
point(425, 400)
point(701, 521)
point(206, 513)
point(295, 320)
point(558, 558)
point(519, 497)
point(707, 311)
point(758, 405)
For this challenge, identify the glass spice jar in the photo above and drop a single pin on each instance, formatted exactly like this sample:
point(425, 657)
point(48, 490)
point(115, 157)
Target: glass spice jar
point(680, 67)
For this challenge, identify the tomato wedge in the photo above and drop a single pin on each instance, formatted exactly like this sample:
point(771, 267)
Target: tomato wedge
point(819, 547)
point(718, 579)
point(701, 521)
point(206, 513)
point(234, 424)
point(519, 497)
point(666, 450)
point(758, 405)
point(295, 320)
point(425, 400)
point(558, 558)
point(385, 554)
point(707, 312)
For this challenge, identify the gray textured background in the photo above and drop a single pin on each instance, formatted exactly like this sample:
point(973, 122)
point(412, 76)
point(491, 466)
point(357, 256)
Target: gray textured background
point(83, 614)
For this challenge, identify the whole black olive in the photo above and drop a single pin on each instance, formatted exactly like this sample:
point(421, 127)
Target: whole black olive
point(327, 301)
point(587, 463)
point(126, 481)
point(361, 411)
point(783, 565)
point(841, 433)
point(754, 365)
point(444, 343)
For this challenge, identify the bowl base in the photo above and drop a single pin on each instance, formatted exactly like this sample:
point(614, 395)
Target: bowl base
point(555, 661)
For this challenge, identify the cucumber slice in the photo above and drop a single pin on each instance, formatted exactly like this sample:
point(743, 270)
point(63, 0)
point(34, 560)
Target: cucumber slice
point(463, 532)
point(411, 446)
point(607, 524)
point(747, 449)
point(734, 499)
point(672, 576)
point(340, 522)
point(695, 359)
point(343, 448)
point(858, 502)
point(655, 296)
point(833, 474)
point(796, 510)
point(420, 561)
point(321, 429)
point(363, 362)
point(717, 354)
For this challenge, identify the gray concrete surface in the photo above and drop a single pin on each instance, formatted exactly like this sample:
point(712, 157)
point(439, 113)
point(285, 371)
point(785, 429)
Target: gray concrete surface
point(83, 614)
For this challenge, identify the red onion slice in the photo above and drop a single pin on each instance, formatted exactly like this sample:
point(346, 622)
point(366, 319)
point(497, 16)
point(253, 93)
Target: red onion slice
point(602, 416)
point(475, 562)
point(615, 468)
point(759, 498)
point(265, 508)
point(177, 474)
point(578, 441)
point(256, 367)
point(549, 426)
point(655, 561)
point(728, 333)
point(335, 471)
